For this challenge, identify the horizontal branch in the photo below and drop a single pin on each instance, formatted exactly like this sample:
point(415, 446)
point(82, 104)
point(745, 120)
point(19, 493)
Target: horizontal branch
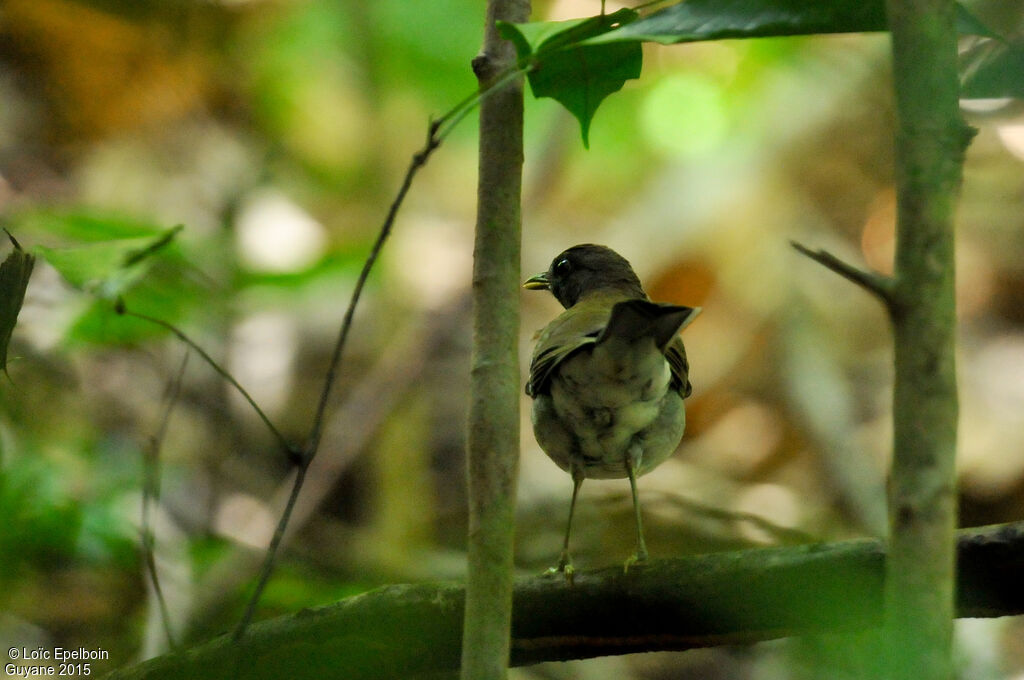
point(683, 603)
point(876, 284)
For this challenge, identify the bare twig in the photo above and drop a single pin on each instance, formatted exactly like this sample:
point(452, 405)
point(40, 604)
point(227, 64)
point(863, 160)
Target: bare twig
point(268, 562)
point(284, 443)
point(151, 494)
point(398, 369)
point(447, 122)
point(165, 616)
point(419, 159)
point(436, 133)
point(780, 534)
point(876, 284)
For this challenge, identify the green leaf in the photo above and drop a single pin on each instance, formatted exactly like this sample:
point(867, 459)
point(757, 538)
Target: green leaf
point(995, 70)
point(539, 37)
point(580, 62)
point(695, 20)
point(162, 293)
point(968, 24)
point(107, 269)
point(41, 523)
point(14, 275)
point(577, 76)
point(82, 225)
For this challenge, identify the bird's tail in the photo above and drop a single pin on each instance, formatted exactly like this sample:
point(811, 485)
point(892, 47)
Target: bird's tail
point(632, 320)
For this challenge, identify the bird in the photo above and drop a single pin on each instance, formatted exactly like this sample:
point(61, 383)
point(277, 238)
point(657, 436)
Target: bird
point(608, 377)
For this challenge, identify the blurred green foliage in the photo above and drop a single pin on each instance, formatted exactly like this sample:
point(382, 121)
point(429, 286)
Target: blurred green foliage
point(43, 524)
point(270, 129)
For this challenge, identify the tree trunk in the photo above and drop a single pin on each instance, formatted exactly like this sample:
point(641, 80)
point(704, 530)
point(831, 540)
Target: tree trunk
point(931, 139)
point(493, 439)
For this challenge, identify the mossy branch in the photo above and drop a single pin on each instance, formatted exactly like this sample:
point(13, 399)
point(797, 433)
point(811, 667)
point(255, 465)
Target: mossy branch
point(702, 601)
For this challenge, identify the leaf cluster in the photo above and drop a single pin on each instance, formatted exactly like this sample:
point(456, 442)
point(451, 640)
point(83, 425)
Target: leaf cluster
point(580, 62)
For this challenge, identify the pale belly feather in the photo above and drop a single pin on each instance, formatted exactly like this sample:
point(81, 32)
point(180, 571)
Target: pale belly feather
point(603, 404)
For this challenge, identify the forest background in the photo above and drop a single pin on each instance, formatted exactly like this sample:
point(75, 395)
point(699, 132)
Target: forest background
point(277, 133)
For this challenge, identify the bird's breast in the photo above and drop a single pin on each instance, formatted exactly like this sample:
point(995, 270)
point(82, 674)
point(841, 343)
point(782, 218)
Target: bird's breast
point(601, 403)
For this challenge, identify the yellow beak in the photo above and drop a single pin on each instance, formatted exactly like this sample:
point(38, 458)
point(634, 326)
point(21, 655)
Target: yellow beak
point(538, 282)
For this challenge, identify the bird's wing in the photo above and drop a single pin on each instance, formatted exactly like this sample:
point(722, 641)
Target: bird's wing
point(632, 319)
point(676, 355)
point(575, 329)
point(579, 327)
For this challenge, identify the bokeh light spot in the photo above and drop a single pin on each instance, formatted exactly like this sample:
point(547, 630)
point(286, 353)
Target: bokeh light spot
point(684, 115)
point(276, 235)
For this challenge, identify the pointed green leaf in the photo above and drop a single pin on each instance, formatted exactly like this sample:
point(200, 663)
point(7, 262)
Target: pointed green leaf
point(695, 20)
point(577, 76)
point(537, 37)
point(108, 268)
point(968, 24)
point(82, 225)
point(994, 71)
point(14, 275)
point(581, 78)
point(580, 62)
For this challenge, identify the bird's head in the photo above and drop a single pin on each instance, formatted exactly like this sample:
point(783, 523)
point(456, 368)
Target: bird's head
point(584, 269)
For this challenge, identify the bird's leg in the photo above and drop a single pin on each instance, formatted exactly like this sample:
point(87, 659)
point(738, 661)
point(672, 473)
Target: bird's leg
point(564, 560)
point(632, 463)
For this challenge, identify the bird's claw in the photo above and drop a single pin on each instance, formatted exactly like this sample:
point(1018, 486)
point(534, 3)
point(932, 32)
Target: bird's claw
point(565, 568)
point(634, 559)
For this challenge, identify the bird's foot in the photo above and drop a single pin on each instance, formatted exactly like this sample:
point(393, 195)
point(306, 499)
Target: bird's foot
point(564, 567)
point(639, 557)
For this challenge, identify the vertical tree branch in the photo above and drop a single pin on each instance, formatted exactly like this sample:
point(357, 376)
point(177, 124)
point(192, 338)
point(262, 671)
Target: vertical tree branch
point(931, 139)
point(493, 437)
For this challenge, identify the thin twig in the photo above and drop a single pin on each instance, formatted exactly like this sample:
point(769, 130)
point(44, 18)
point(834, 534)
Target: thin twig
point(446, 123)
point(284, 443)
point(419, 159)
point(268, 563)
point(436, 132)
point(782, 535)
point(165, 616)
point(151, 494)
point(876, 284)
point(397, 369)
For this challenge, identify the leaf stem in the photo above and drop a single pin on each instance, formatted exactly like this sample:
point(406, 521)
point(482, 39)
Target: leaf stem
point(454, 116)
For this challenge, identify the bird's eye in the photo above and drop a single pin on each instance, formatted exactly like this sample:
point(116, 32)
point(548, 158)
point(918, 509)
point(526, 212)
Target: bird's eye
point(563, 267)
